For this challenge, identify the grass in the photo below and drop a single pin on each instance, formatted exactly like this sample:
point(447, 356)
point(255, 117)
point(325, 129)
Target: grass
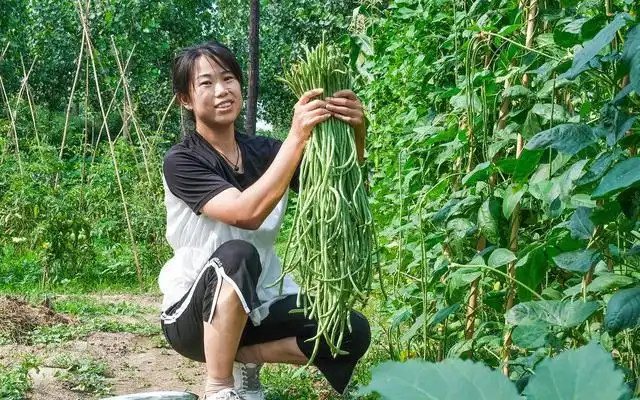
point(85, 306)
point(64, 333)
point(281, 382)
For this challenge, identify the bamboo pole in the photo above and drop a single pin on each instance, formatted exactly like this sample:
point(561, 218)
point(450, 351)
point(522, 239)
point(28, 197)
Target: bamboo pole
point(161, 124)
point(4, 51)
point(125, 85)
point(472, 303)
point(66, 118)
point(111, 103)
point(33, 117)
point(83, 170)
point(87, 38)
point(13, 125)
point(23, 85)
point(515, 217)
point(12, 112)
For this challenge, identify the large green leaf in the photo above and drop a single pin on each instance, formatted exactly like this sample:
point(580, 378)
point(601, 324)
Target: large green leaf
point(586, 374)
point(462, 277)
point(621, 176)
point(530, 336)
point(442, 314)
point(631, 57)
point(606, 282)
point(488, 221)
point(623, 310)
point(459, 228)
point(595, 45)
point(600, 166)
point(578, 260)
point(413, 331)
point(567, 138)
point(631, 44)
point(512, 195)
point(500, 257)
point(531, 270)
point(448, 380)
point(580, 225)
point(517, 91)
point(550, 111)
point(480, 172)
point(527, 163)
point(565, 314)
point(634, 73)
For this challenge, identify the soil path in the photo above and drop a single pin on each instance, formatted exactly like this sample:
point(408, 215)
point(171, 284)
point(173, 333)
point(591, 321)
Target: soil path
point(136, 363)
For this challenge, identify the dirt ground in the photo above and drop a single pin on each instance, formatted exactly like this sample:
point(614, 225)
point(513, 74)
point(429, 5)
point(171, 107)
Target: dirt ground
point(136, 363)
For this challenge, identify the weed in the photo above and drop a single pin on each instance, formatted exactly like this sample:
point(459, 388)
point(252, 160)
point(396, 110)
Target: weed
point(85, 375)
point(15, 381)
point(83, 306)
point(160, 342)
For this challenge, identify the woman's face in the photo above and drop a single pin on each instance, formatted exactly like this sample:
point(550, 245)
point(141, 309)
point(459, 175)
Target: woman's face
point(215, 97)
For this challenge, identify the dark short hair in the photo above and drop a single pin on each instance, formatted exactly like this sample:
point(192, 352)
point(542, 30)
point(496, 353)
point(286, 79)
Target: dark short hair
point(185, 61)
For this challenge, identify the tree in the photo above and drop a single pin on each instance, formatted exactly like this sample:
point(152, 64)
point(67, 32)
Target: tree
point(254, 60)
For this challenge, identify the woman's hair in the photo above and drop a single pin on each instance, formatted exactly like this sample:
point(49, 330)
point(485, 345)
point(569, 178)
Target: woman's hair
point(185, 62)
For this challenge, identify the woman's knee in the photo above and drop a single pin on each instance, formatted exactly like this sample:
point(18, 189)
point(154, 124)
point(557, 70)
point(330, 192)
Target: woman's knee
point(238, 254)
point(360, 335)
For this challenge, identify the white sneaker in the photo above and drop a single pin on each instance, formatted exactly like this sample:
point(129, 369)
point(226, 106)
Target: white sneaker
point(247, 381)
point(225, 394)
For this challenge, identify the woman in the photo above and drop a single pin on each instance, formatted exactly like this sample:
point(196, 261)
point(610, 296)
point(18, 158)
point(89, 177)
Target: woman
point(225, 195)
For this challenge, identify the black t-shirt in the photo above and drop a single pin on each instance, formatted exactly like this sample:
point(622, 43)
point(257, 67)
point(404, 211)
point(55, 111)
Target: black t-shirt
point(195, 172)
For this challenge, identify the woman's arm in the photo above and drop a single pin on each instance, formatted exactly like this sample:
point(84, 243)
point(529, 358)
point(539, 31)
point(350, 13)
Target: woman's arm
point(248, 209)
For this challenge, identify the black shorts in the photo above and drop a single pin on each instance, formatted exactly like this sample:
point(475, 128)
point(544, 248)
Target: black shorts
point(238, 263)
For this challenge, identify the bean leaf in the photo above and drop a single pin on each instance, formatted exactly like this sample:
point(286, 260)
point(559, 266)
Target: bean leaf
point(578, 260)
point(480, 172)
point(564, 314)
point(586, 373)
point(599, 167)
point(531, 337)
point(500, 257)
point(450, 379)
point(512, 195)
point(595, 45)
point(567, 138)
point(487, 221)
point(580, 225)
point(621, 176)
point(531, 270)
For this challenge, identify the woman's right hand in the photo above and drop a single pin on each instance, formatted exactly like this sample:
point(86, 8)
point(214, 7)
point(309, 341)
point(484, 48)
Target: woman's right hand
point(308, 113)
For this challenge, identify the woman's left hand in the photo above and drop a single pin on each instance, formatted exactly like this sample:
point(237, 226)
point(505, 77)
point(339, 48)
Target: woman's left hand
point(346, 106)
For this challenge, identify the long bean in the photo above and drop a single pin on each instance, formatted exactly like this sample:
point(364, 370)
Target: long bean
point(332, 241)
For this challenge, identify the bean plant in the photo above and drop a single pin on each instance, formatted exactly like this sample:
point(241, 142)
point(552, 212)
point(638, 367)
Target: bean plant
point(506, 184)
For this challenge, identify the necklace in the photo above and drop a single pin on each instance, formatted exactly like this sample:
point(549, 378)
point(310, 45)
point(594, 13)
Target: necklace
point(236, 167)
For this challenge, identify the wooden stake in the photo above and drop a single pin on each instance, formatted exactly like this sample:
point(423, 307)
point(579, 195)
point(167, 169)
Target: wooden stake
point(515, 217)
point(66, 118)
point(111, 146)
point(13, 125)
point(129, 108)
point(111, 103)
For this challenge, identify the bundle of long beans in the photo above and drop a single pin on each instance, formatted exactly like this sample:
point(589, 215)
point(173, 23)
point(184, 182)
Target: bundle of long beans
point(331, 244)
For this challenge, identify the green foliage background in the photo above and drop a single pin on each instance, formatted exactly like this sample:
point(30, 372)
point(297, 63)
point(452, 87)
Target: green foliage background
point(504, 169)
